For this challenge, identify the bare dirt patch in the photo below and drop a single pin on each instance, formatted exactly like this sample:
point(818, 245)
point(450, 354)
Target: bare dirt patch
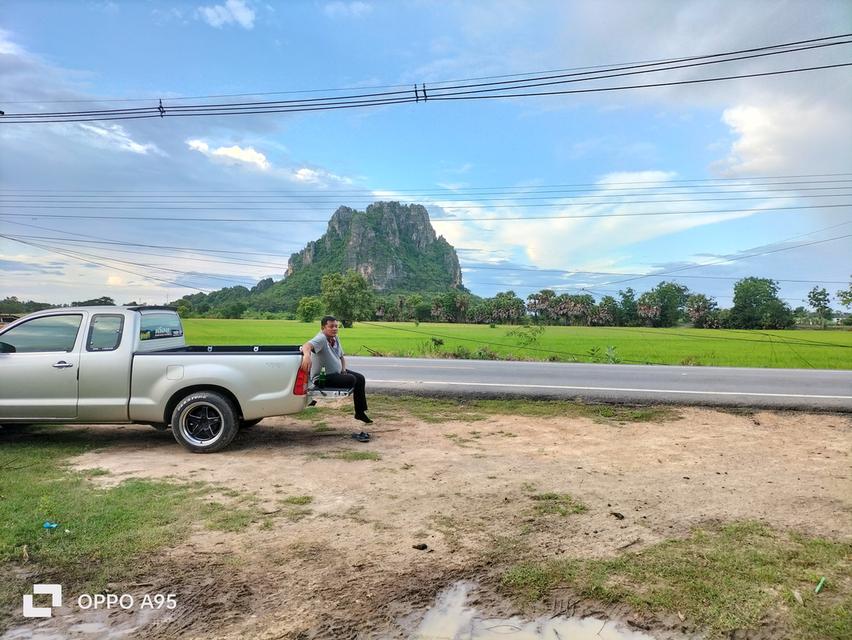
point(329, 551)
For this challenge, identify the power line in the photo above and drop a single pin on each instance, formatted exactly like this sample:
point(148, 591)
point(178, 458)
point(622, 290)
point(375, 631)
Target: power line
point(142, 251)
point(101, 240)
point(531, 269)
point(392, 96)
point(472, 91)
point(698, 213)
point(79, 254)
point(100, 264)
point(444, 97)
point(644, 86)
point(557, 201)
point(467, 268)
point(630, 186)
point(407, 85)
point(738, 258)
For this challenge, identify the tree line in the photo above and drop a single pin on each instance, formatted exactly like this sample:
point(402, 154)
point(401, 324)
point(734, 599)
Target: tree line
point(756, 305)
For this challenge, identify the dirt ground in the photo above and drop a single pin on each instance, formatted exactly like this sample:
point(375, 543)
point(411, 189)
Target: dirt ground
point(345, 567)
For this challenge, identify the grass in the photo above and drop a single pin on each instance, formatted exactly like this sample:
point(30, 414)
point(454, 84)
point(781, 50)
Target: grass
point(348, 456)
point(101, 533)
point(797, 348)
point(222, 517)
point(734, 577)
point(557, 503)
point(295, 507)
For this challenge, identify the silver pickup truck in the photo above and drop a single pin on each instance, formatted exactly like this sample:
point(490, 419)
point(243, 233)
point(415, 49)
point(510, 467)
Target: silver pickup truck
point(131, 364)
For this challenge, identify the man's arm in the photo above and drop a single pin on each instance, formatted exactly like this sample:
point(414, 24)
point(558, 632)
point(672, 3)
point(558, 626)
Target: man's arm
point(342, 364)
point(307, 349)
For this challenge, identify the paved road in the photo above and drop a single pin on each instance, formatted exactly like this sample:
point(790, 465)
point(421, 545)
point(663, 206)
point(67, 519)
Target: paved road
point(718, 386)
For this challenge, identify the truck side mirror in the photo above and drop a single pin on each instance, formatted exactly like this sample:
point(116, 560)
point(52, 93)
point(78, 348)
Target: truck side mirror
point(5, 347)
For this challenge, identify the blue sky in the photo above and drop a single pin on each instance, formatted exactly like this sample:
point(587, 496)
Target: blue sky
point(100, 51)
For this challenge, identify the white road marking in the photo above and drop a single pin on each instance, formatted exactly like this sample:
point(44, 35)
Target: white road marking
point(573, 388)
point(417, 366)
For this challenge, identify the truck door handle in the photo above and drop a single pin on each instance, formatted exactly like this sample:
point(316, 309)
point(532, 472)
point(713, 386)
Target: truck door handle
point(62, 365)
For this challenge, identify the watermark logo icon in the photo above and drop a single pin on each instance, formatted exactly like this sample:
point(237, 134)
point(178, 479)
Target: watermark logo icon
point(55, 593)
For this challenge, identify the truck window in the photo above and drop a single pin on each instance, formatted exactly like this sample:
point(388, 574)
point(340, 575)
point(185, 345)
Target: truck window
point(105, 332)
point(49, 333)
point(159, 325)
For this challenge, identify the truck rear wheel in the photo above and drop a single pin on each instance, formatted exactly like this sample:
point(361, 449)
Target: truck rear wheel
point(204, 422)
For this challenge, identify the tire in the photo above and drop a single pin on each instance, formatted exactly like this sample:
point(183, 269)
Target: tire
point(204, 422)
point(246, 424)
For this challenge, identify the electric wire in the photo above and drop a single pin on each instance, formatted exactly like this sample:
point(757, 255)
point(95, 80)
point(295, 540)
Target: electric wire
point(441, 93)
point(699, 213)
point(407, 85)
point(537, 79)
point(464, 204)
point(630, 186)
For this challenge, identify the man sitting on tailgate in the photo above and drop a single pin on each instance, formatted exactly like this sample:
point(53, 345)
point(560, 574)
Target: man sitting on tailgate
point(329, 356)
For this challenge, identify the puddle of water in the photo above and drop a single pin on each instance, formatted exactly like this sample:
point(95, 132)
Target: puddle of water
point(450, 619)
point(86, 625)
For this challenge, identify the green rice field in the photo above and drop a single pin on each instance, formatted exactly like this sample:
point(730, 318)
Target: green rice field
point(799, 348)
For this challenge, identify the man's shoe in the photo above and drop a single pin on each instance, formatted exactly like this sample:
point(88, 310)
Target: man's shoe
point(363, 417)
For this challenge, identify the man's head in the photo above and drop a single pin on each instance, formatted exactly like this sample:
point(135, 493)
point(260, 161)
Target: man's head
point(329, 326)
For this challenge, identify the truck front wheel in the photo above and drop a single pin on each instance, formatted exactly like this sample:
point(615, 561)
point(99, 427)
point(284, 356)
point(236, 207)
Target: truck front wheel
point(204, 422)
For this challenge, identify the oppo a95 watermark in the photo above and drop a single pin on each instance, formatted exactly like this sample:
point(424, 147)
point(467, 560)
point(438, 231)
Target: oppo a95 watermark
point(87, 601)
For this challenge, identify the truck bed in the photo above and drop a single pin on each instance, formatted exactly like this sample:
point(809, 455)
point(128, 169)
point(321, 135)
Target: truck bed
point(226, 349)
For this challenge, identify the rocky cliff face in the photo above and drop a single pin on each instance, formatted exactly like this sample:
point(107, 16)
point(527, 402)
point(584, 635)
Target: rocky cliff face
point(393, 246)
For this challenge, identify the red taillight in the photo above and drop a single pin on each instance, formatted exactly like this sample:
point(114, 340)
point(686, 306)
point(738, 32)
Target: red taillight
point(300, 387)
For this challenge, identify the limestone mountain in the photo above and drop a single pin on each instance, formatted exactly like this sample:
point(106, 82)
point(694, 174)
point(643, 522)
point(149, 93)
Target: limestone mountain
point(392, 245)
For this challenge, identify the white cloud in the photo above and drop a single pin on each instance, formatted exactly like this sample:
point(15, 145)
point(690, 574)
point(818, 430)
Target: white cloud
point(115, 280)
point(339, 9)
point(582, 243)
point(108, 7)
point(245, 155)
point(233, 11)
point(320, 177)
point(7, 47)
point(787, 136)
point(251, 157)
point(116, 137)
point(635, 179)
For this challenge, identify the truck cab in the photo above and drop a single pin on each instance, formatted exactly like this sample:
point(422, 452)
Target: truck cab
point(41, 357)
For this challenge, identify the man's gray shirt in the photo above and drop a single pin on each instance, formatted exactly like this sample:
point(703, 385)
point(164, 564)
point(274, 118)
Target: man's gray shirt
point(325, 355)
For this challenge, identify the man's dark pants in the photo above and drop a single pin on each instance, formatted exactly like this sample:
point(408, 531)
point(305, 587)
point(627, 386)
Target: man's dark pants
point(349, 380)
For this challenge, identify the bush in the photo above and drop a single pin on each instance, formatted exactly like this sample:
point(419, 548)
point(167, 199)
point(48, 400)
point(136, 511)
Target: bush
point(432, 346)
point(484, 353)
point(462, 353)
point(309, 309)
